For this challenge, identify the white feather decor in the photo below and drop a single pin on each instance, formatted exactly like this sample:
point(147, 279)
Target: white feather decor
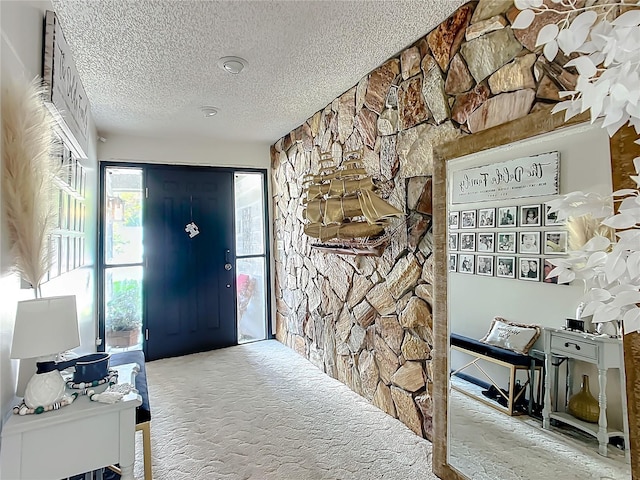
point(28, 170)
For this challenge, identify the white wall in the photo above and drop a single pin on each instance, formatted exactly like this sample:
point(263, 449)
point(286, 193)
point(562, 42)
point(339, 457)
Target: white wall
point(475, 300)
point(185, 151)
point(21, 59)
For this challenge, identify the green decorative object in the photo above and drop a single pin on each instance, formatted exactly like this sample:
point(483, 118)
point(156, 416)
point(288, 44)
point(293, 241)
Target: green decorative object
point(583, 405)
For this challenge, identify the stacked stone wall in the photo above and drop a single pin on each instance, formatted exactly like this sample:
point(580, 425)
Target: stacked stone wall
point(365, 320)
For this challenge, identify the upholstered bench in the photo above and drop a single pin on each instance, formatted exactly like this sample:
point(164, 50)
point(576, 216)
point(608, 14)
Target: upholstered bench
point(514, 361)
point(143, 412)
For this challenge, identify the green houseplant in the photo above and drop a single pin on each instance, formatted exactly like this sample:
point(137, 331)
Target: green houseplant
point(124, 314)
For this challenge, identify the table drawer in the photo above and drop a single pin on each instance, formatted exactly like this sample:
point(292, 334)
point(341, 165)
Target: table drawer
point(574, 347)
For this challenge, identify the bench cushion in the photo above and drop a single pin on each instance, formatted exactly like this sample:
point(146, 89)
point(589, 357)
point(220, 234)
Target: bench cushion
point(492, 351)
point(143, 412)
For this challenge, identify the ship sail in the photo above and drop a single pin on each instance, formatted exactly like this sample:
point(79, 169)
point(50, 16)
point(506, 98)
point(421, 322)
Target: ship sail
point(342, 207)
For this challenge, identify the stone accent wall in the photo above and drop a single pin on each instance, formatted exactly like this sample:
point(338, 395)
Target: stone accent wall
point(364, 320)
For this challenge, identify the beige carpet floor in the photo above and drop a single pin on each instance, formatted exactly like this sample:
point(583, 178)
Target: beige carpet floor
point(260, 411)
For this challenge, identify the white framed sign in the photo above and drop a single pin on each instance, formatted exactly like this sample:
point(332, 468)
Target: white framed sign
point(65, 95)
point(532, 176)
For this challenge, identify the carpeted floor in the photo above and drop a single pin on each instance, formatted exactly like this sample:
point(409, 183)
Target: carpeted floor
point(260, 411)
point(517, 448)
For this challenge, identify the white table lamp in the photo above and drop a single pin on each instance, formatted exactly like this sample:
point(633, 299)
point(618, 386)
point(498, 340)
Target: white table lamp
point(44, 328)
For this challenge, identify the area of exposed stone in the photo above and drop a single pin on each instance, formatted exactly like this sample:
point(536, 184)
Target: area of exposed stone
point(367, 321)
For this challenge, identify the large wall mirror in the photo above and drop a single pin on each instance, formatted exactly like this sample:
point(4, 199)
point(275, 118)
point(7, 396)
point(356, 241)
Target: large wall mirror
point(507, 416)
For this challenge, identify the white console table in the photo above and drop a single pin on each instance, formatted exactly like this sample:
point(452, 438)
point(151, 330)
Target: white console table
point(605, 353)
point(81, 437)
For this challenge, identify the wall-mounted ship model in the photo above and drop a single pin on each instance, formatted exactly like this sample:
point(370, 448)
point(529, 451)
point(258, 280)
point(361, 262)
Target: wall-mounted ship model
point(343, 210)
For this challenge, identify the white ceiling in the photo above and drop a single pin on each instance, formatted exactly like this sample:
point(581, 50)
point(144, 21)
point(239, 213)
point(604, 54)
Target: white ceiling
point(149, 65)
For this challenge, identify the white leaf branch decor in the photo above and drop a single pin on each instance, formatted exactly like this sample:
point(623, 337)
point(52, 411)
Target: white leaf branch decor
point(610, 270)
point(28, 170)
point(605, 52)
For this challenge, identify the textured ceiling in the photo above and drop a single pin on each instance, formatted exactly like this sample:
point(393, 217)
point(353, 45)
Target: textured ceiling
point(148, 66)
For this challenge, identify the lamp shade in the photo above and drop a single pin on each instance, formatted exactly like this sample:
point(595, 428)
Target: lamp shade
point(45, 326)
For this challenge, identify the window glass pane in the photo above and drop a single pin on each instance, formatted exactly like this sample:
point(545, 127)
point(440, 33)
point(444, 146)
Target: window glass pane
point(123, 216)
point(123, 308)
point(249, 214)
point(250, 282)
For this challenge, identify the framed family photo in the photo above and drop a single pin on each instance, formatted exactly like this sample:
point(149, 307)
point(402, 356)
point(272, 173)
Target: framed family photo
point(529, 269)
point(507, 216)
point(467, 242)
point(453, 262)
point(485, 242)
point(467, 263)
point(484, 265)
point(487, 217)
point(454, 220)
point(468, 219)
point(551, 219)
point(506, 242)
point(530, 216)
point(453, 242)
point(555, 243)
point(505, 267)
point(529, 242)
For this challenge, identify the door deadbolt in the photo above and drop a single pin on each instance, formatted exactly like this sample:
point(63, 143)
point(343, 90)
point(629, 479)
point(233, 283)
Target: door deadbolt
point(227, 266)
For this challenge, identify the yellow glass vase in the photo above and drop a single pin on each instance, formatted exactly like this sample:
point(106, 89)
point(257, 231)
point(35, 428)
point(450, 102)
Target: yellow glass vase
point(583, 405)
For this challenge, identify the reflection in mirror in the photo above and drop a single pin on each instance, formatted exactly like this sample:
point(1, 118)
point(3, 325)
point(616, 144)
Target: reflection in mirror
point(528, 398)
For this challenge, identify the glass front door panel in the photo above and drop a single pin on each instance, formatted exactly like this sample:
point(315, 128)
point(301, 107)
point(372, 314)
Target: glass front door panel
point(250, 283)
point(123, 308)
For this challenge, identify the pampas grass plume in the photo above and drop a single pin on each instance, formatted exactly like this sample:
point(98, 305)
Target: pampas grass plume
point(584, 228)
point(28, 169)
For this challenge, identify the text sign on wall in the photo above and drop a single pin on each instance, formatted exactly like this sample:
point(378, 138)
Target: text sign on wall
point(532, 176)
point(64, 88)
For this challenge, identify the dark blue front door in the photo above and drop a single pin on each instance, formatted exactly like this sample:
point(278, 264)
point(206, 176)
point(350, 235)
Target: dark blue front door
point(189, 240)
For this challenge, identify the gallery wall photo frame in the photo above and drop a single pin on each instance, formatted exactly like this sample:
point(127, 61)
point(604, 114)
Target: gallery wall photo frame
point(468, 219)
point(454, 220)
point(530, 216)
point(453, 262)
point(486, 242)
point(466, 263)
point(467, 242)
point(505, 267)
point(453, 242)
point(551, 219)
point(484, 265)
point(486, 217)
point(529, 269)
point(506, 242)
point(507, 216)
point(529, 242)
point(556, 242)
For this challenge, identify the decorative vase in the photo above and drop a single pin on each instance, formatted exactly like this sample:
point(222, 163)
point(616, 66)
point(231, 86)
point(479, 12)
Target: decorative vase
point(583, 405)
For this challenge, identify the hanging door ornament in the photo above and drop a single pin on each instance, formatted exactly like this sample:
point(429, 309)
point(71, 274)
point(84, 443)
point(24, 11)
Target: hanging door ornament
point(191, 228)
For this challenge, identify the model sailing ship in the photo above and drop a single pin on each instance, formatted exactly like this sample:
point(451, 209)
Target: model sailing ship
point(343, 210)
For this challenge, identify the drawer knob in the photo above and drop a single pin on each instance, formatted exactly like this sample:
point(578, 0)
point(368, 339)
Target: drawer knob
point(566, 344)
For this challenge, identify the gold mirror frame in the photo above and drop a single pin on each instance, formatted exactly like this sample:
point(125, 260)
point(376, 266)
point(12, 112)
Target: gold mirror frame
point(623, 151)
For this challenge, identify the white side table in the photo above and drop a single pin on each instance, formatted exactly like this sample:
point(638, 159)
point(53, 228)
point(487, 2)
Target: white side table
point(81, 437)
point(604, 352)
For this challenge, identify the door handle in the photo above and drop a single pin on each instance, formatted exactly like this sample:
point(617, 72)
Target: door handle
point(227, 260)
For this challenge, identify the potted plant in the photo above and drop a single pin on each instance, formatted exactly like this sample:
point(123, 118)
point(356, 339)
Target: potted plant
point(124, 314)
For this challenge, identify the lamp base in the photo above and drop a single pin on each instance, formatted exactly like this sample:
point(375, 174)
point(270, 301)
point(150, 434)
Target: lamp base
point(44, 389)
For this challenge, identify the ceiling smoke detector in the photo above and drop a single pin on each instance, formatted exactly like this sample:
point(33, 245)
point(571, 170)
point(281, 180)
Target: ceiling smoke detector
point(209, 112)
point(232, 65)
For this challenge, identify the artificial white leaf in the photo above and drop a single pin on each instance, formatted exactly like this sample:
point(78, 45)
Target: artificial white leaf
point(623, 287)
point(597, 294)
point(606, 313)
point(522, 4)
point(625, 191)
point(547, 33)
point(567, 41)
point(566, 277)
point(584, 65)
point(631, 321)
point(633, 265)
point(550, 50)
point(597, 243)
point(620, 221)
point(612, 117)
point(585, 19)
point(590, 307)
point(596, 258)
point(523, 20)
point(614, 268)
point(626, 298)
point(628, 19)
